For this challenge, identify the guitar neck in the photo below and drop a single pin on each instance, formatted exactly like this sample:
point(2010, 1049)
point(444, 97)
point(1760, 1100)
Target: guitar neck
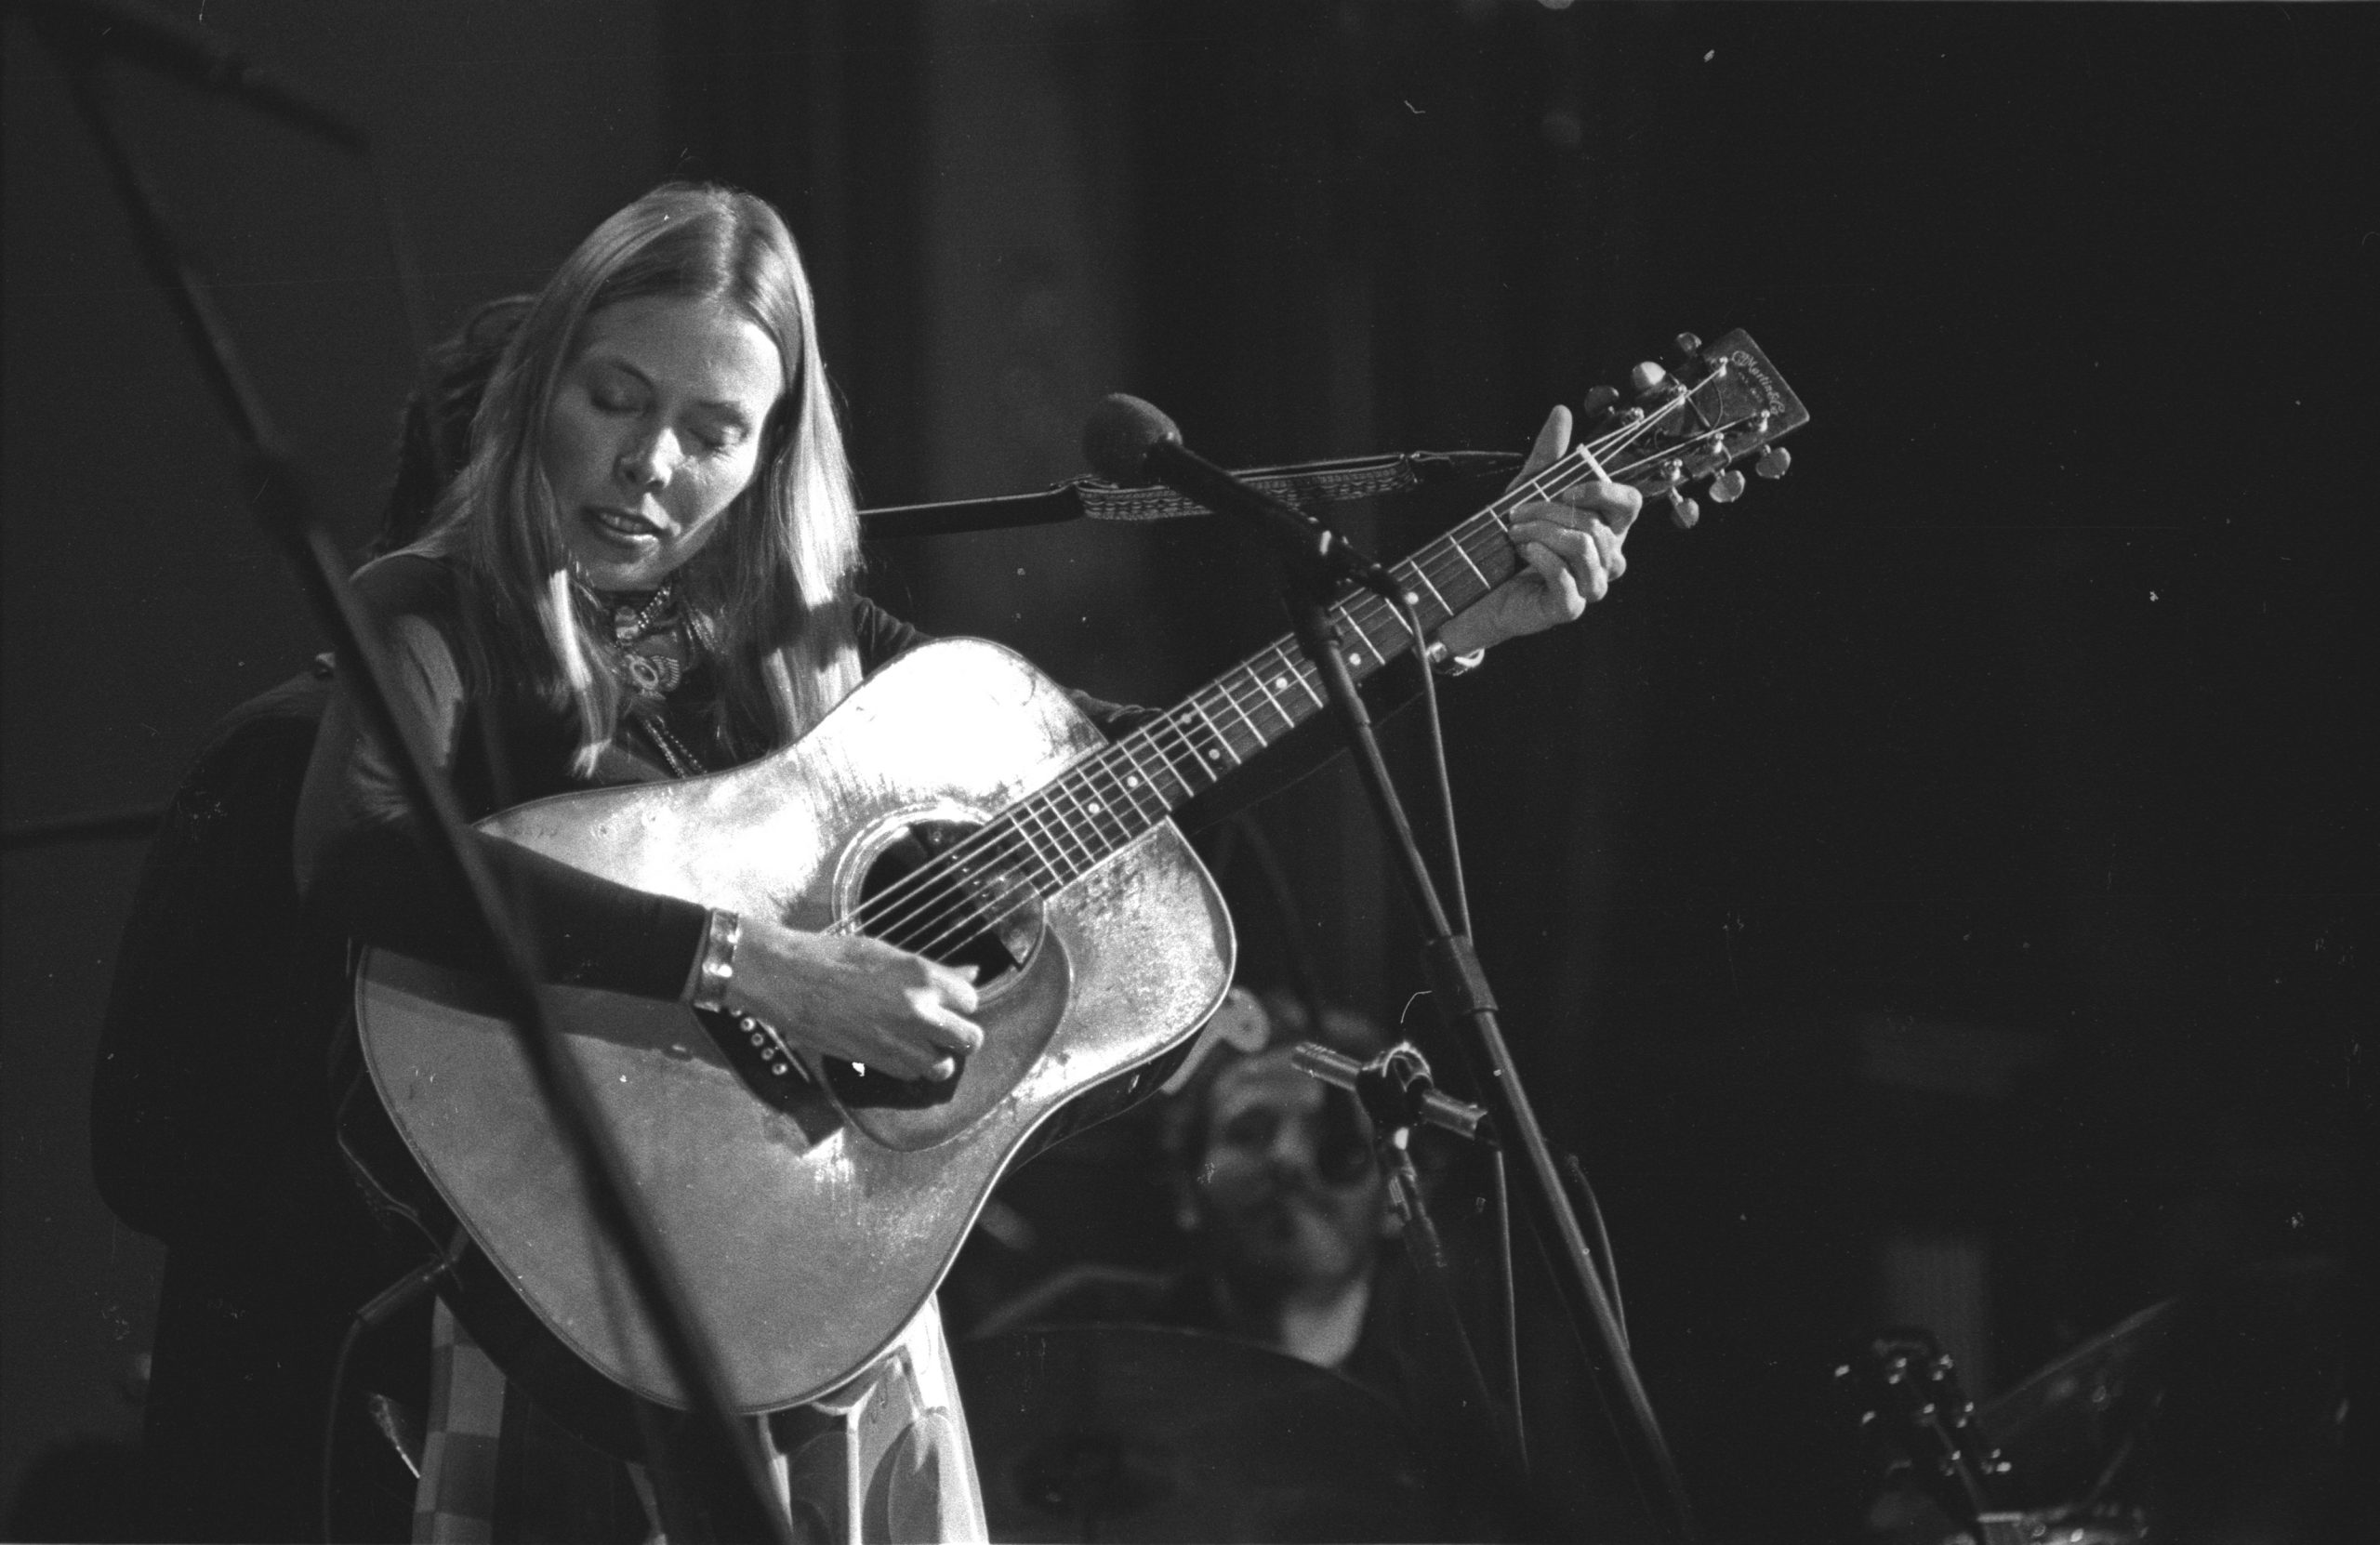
point(1074, 822)
point(1091, 810)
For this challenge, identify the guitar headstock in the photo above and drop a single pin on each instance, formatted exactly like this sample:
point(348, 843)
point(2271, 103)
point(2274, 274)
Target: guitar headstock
point(1715, 404)
point(1908, 1396)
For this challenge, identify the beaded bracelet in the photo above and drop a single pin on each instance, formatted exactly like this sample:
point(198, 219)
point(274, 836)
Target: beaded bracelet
point(716, 969)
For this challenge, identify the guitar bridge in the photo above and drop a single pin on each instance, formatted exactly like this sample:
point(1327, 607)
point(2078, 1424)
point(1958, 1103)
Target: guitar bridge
point(763, 1059)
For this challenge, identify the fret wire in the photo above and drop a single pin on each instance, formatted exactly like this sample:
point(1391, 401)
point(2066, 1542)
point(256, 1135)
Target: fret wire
point(1035, 808)
point(1298, 666)
point(1448, 574)
point(1123, 817)
point(1081, 832)
point(1037, 844)
point(1174, 727)
point(1267, 688)
point(1250, 701)
point(1267, 700)
point(1075, 788)
point(1136, 782)
point(1215, 716)
point(1344, 624)
point(1031, 860)
point(1048, 854)
point(1423, 574)
point(1224, 682)
point(1454, 541)
point(1279, 652)
point(1082, 820)
point(1148, 737)
point(1272, 696)
point(1501, 549)
point(1182, 753)
point(1211, 730)
point(1401, 635)
point(1347, 616)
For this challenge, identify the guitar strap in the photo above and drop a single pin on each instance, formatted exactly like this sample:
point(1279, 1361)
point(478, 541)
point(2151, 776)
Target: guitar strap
point(1303, 484)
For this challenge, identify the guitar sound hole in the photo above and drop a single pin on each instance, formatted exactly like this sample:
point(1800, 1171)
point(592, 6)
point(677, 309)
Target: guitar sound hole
point(930, 895)
point(969, 909)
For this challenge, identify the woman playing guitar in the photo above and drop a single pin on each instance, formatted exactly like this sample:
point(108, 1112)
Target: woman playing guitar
point(647, 571)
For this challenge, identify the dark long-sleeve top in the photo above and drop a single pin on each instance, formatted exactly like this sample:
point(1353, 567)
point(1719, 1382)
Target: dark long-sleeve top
point(368, 866)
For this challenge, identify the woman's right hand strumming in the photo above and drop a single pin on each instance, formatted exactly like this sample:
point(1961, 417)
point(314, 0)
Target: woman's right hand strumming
point(856, 998)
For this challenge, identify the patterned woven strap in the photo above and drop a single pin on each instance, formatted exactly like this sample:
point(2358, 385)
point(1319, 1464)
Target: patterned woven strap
point(1306, 484)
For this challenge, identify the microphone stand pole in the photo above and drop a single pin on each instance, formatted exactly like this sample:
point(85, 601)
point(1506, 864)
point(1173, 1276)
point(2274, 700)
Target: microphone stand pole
point(1460, 987)
point(273, 490)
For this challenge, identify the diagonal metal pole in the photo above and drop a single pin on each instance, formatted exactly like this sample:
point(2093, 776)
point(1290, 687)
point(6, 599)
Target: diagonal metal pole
point(274, 492)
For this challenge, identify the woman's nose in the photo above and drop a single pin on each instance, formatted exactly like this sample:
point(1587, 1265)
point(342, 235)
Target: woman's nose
point(648, 460)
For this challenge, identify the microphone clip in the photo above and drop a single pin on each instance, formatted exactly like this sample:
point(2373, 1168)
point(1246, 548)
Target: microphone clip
point(1396, 1089)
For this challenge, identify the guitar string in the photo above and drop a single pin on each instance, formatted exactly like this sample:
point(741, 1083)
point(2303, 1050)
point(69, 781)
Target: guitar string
point(1169, 738)
point(954, 892)
point(960, 907)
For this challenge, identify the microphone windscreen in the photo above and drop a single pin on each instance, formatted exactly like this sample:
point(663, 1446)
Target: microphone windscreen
point(1119, 434)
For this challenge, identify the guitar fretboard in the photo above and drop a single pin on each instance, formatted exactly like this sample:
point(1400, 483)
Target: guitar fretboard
point(1068, 828)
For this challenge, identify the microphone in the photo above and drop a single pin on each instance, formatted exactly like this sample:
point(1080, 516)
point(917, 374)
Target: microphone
point(1339, 1071)
point(172, 46)
point(1130, 442)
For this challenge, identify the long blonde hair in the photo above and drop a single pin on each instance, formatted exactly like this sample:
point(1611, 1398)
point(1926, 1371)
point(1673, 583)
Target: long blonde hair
point(770, 597)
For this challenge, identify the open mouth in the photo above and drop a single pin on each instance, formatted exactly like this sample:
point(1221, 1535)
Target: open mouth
point(618, 525)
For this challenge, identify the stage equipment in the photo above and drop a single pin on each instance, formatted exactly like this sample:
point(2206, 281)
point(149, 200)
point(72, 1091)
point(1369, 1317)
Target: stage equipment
point(1137, 1432)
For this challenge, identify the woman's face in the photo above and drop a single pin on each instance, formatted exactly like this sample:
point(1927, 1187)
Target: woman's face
point(656, 428)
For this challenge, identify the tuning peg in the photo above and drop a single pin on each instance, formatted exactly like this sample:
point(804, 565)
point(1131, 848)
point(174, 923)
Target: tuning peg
point(1598, 404)
point(1647, 379)
point(1774, 462)
point(1688, 350)
point(1727, 487)
point(1682, 510)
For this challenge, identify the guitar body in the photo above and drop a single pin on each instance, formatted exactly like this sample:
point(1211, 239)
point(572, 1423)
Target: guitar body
point(810, 1225)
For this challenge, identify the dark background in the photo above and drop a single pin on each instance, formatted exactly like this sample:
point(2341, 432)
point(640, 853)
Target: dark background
point(1943, 883)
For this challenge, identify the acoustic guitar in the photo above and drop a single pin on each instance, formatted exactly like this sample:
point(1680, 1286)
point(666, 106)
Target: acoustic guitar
point(957, 804)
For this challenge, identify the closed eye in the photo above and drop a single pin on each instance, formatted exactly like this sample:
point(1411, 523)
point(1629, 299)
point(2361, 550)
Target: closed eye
point(615, 391)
